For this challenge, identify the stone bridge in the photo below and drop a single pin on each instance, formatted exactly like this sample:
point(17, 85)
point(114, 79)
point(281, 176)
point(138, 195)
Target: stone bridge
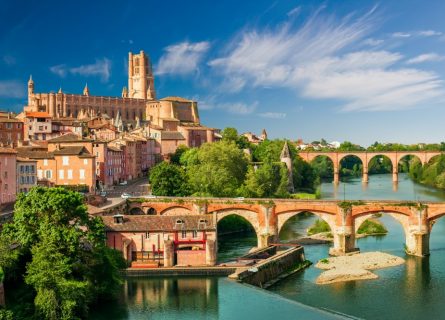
point(267, 216)
point(366, 157)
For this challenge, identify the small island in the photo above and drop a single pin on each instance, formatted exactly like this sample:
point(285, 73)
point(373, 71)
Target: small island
point(355, 267)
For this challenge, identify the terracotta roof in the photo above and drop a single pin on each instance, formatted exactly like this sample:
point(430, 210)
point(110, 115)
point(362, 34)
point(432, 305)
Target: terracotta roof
point(34, 154)
point(3, 119)
point(7, 150)
point(73, 150)
point(178, 99)
point(37, 114)
point(69, 137)
point(112, 148)
point(171, 135)
point(21, 159)
point(147, 223)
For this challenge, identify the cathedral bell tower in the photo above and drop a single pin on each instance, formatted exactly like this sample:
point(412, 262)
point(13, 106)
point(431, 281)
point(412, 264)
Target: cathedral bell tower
point(30, 90)
point(140, 77)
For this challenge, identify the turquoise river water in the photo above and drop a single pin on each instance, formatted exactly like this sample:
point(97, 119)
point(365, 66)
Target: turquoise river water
point(415, 290)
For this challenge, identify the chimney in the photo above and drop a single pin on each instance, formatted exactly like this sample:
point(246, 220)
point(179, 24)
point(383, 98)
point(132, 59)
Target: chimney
point(118, 219)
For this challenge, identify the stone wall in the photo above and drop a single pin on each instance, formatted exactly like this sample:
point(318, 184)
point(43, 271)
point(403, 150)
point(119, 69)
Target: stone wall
point(271, 268)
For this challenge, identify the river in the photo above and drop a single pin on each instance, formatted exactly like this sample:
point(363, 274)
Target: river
point(415, 290)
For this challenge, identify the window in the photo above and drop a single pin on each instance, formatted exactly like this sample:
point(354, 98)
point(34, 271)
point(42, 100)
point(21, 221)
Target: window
point(32, 180)
point(195, 234)
point(6, 186)
point(70, 173)
point(45, 162)
point(6, 174)
point(82, 174)
point(61, 174)
point(21, 169)
point(147, 235)
point(85, 161)
point(183, 234)
point(48, 174)
point(65, 160)
point(22, 179)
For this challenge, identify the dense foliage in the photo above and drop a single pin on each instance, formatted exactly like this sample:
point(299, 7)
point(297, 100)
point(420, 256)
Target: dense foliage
point(372, 226)
point(57, 252)
point(168, 179)
point(319, 226)
point(432, 173)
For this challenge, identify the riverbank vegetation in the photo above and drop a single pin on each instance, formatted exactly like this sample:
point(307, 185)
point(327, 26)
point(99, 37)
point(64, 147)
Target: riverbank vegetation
point(55, 257)
point(319, 226)
point(372, 226)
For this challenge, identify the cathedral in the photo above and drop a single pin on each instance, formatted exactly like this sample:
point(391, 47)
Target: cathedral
point(137, 103)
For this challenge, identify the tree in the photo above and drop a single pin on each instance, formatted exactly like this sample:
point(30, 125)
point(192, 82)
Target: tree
point(180, 150)
point(231, 135)
point(219, 171)
point(268, 181)
point(168, 179)
point(59, 246)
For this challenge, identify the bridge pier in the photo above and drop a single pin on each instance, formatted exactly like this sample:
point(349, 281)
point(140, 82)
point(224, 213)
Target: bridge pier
point(418, 244)
point(365, 175)
point(395, 176)
point(344, 241)
point(336, 176)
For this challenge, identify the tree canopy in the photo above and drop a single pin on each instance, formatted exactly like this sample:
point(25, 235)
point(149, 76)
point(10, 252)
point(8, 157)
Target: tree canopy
point(168, 179)
point(60, 253)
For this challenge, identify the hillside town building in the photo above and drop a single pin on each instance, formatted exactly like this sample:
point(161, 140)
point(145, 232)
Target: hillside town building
point(8, 182)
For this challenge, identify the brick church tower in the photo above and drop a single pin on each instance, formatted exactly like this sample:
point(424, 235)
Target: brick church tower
point(140, 77)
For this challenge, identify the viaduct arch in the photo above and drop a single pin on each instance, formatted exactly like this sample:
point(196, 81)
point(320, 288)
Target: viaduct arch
point(365, 157)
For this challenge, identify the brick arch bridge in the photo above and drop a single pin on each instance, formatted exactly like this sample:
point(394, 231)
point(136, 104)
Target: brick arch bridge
point(268, 216)
point(366, 157)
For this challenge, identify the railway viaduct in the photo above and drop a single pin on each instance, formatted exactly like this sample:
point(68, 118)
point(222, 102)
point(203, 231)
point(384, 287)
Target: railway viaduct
point(366, 157)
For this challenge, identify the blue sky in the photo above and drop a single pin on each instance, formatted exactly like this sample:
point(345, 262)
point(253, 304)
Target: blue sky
point(361, 71)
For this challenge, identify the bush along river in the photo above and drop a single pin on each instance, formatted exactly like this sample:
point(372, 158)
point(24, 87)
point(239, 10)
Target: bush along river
point(414, 290)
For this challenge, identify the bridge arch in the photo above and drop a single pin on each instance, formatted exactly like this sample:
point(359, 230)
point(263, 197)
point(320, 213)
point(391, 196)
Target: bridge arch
point(403, 157)
point(378, 161)
point(344, 164)
point(175, 211)
point(401, 218)
point(284, 216)
point(248, 215)
point(429, 158)
point(136, 211)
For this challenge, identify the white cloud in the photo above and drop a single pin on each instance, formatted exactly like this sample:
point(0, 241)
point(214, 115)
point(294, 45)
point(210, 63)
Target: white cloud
point(182, 58)
point(426, 57)
point(294, 12)
point(9, 60)
point(60, 69)
point(429, 33)
point(101, 68)
point(12, 89)
point(239, 107)
point(372, 42)
point(401, 35)
point(272, 115)
point(318, 60)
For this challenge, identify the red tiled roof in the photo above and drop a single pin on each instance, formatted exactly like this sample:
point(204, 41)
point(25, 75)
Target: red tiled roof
point(7, 150)
point(37, 114)
point(147, 223)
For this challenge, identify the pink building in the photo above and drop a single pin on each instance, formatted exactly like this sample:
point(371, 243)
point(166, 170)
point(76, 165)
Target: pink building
point(153, 240)
point(114, 170)
point(8, 178)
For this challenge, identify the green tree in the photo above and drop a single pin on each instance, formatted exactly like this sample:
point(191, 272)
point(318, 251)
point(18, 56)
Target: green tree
point(176, 157)
point(168, 179)
point(57, 248)
point(268, 181)
point(219, 171)
point(231, 135)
